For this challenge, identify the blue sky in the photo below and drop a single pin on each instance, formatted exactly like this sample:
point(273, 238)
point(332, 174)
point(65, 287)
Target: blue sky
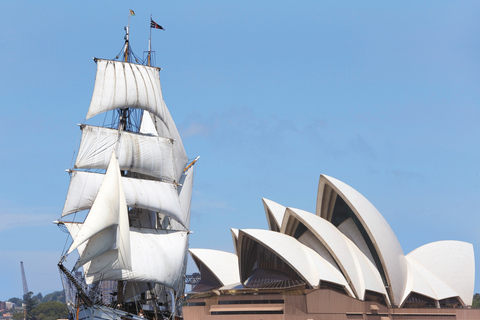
point(383, 96)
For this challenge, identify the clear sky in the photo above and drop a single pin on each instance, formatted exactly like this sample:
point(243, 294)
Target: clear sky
point(381, 95)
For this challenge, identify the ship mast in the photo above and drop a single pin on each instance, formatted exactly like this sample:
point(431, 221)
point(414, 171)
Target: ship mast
point(124, 112)
point(126, 40)
point(127, 29)
point(150, 43)
point(122, 124)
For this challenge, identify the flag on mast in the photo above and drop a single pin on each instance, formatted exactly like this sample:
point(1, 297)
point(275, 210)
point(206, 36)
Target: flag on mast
point(132, 13)
point(155, 25)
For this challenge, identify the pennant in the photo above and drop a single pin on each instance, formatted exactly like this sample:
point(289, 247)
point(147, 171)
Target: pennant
point(132, 13)
point(155, 25)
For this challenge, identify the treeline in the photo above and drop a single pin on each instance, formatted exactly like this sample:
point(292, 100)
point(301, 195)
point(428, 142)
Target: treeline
point(39, 307)
point(54, 296)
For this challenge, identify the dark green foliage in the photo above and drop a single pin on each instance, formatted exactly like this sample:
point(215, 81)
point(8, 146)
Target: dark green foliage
point(30, 303)
point(17, 301)
point(18, 316)
point(476, 300)
point(38, 297)
point(55, 296)
point(51, 310)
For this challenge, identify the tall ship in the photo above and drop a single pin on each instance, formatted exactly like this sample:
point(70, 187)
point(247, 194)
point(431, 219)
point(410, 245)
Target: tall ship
point(127, 208)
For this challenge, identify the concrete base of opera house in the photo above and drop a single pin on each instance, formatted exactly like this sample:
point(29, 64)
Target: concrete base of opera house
point(316, 304)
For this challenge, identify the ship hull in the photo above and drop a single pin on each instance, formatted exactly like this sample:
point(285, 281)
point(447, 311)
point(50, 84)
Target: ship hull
point(98, 312)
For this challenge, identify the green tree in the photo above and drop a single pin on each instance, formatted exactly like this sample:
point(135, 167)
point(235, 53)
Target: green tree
point(17, 301)
point(38, 297)
point(51, 310)
point(476, 301)
point(30, 303)
point(18, 316)
point(55, 296)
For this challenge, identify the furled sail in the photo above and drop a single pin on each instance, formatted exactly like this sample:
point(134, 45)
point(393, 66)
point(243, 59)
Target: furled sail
point(106, 227)
point(139, 193)
point(120, 85)
point(140, 153)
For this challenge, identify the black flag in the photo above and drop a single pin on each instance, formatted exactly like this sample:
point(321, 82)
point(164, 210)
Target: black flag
point(155, 25)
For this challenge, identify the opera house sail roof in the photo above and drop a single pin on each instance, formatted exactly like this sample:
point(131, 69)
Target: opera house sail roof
point(346, 246)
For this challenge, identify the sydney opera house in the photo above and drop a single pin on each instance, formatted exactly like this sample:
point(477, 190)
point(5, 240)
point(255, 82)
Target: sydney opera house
point(343, 262)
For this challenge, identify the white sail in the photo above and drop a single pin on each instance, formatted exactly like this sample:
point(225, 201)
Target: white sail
point(144, 154)
point(144, 194)
point(157, 256)
point(154, 126)
point(185, 194)
point(106, 227)
point(167, 128)
point(82, 191)
point(163, 267)
point(73, 228)
point(147, 126)
point(120, 85)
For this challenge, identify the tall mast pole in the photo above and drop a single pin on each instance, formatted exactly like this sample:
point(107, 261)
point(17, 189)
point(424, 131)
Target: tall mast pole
point(126, 36)
point(150, 41)
point(126, 41)
point(124, 112)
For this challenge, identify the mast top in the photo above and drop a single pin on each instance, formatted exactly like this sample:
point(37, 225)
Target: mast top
point(127, 29)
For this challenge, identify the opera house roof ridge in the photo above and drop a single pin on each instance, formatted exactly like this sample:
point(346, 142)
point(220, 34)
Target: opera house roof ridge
point(346, 246)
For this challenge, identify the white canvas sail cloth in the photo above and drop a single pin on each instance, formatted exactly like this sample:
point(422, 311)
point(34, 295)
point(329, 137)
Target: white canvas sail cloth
point(164, 266)
point(157, 256)
point(73, 228)
point(153, 125)
point(106, 227)
point(185, 194)
point(139, 193)
point(140, 153)
point(120, 85)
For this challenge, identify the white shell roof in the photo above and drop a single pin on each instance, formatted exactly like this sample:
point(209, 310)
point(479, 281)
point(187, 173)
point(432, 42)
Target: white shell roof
point(451, 261)
point(381, 234)
point(224, 265)
point(306, 262)
point(347, 256)
point(350, 230)
point(234, 233)
point(274, 213)
point(372, 280)
point(358, 270)
point(424, 282)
